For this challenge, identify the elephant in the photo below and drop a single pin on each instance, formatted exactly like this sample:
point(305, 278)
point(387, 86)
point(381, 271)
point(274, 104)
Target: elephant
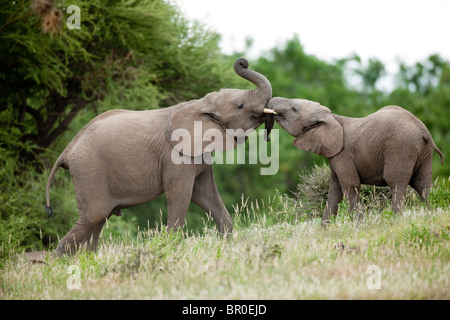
point(123, 158)
point(390, 147)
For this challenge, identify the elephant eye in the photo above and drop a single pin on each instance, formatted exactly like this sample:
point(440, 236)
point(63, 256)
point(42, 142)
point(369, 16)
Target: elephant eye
point(241, 106)
point(216, 118)
point(294, 109)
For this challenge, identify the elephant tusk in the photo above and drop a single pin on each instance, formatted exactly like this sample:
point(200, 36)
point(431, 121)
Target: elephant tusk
point(270, 111)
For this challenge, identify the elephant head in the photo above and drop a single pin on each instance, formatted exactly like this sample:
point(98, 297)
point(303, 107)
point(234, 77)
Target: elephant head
point(312, 124)
point(224, 117)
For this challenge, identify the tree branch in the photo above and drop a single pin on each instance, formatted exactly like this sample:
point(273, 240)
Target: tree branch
point(60, 105)
point(11, 20)
point(63, 125)
point(36, 115)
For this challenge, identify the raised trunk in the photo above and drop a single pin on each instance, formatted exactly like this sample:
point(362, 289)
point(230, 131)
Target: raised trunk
point(264, 91)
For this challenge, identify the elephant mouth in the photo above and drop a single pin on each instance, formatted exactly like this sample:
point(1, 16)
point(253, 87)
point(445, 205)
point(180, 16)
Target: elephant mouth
point(280, 117)
point(268, 120)
point(257, 121)
point(281, 120)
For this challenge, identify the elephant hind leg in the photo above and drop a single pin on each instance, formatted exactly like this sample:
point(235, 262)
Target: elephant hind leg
point(398, 197)
point(421, 179)
point(398, 188)
point(95, 206)
point(86, 231)
point(397, 175)
point(84, 234)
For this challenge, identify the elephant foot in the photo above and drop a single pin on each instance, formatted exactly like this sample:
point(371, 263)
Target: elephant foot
point(71, 249)
point(325, 223)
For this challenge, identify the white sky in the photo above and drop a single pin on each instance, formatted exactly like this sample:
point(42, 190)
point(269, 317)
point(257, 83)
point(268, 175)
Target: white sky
point(409, 30)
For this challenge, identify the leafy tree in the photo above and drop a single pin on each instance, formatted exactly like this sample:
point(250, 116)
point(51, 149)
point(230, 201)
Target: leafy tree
point(371, 74)
point(422, 76)
point(134, 54)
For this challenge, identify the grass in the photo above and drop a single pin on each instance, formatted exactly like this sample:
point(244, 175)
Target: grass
point(274, 252)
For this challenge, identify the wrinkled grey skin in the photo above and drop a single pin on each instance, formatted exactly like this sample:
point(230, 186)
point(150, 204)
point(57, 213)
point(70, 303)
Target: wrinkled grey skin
point(390, 147)
point(123, 158)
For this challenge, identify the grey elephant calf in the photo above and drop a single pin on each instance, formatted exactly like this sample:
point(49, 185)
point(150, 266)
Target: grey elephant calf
point(122, 158)
point(390, 147)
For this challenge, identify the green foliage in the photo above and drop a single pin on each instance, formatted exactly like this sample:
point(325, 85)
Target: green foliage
point(14, 227)
point(127, 54)
point(21, 200)
point(418, 235)
point(371, 74)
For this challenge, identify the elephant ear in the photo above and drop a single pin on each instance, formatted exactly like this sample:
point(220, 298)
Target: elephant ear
point(323, 135)
point(196, 128)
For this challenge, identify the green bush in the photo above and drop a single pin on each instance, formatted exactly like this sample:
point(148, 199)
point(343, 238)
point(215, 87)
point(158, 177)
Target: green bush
point(21, 209)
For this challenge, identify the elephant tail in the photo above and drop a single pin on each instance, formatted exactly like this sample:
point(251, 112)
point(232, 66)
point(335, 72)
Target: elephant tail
point(429, 139)
point(439, 152)
point(48, 206)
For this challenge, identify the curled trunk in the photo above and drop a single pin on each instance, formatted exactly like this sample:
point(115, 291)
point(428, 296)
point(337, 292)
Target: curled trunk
point(264, 91)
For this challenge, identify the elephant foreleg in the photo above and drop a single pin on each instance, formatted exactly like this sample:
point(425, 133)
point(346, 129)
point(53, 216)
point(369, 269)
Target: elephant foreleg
point(206, 195)
point(352, 196)
point(349, 181)
point(178, 193)
point(177, 206)
point(334, 197)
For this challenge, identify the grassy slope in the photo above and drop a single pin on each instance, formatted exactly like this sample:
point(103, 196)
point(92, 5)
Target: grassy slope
point(271, 255)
